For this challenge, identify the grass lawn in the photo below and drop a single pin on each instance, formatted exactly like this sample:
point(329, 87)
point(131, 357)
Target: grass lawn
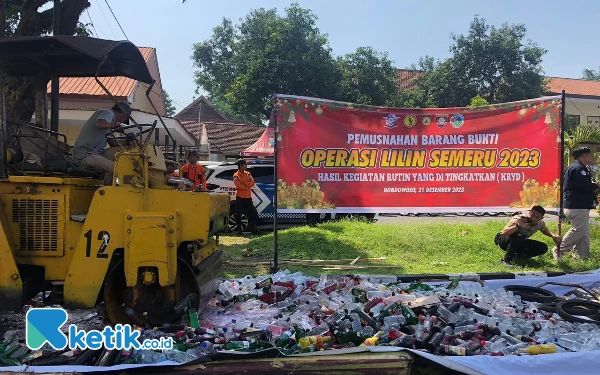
point(412, 248)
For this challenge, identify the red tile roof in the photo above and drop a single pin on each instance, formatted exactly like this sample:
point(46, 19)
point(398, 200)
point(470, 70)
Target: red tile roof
point(573, 86)
point(230, 137)
point(87, 86)
point(209, 112)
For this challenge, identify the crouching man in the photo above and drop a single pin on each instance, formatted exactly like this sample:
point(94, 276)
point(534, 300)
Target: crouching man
point(514, 238)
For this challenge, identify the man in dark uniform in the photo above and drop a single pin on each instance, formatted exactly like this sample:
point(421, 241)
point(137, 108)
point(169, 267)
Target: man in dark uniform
point(579, 195)
point(514, 237)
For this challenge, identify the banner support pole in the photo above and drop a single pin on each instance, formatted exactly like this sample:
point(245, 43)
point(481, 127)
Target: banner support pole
point(275, 261)
point(562, 161)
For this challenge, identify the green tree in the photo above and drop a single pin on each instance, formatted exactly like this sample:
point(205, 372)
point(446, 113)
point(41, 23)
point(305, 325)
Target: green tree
point(265, 54)
point(578, 135)
point(24, 18)
point(493, 62)
point(591, 75)
point(169, 106)
point(477, 101)
point(368, 77)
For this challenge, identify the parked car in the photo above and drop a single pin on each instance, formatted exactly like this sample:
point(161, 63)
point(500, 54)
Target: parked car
point(219, 179)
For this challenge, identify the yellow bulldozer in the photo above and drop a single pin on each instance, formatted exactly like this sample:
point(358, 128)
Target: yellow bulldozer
point(145, 247)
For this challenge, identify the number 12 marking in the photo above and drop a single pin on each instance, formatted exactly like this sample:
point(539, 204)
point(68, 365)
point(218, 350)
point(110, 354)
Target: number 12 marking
point(103, 236)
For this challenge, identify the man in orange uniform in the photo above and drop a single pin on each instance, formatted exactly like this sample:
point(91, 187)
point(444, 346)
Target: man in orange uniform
point(244, 182)
point(171, 171)
point(194, 172)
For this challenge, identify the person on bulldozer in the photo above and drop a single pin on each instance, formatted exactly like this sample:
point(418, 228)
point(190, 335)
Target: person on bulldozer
point(90, 150)
point(194, 172)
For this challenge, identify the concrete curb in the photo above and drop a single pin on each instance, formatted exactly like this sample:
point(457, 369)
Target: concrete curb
point(478, 276)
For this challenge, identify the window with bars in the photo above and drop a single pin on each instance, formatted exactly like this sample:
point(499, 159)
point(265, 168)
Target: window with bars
point(593, 120)
point(572, 121)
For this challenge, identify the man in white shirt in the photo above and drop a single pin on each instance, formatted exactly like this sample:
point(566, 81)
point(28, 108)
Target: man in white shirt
point(90, 147)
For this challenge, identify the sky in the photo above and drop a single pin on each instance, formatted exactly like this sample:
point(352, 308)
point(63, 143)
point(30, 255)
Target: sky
point(405, 29)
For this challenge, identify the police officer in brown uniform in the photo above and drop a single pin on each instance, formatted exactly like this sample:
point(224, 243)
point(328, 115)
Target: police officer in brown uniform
point(514, 237)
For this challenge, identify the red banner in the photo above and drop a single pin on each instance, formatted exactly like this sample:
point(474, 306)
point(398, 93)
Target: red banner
point(342, 157)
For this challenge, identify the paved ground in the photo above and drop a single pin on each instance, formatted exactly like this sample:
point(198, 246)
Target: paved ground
point(452, 218)
point(389, 218)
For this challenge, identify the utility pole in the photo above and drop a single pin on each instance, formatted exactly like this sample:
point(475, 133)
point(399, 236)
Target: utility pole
point(199, 123)
point(54, 91)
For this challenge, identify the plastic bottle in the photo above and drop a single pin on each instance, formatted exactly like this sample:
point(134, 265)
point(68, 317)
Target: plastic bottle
point(319, 330)
point(371, 341)
point(317, 341)
point(177, 356)
point(539, 349)
point(446, 315)
point(497, 345)
point(513, 349)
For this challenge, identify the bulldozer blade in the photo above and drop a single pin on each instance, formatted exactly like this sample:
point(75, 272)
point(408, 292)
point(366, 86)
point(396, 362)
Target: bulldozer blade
point(185, 303)
point(209, 277)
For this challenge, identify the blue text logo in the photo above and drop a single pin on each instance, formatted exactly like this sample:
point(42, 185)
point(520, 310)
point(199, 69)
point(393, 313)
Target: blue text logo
point(43, 326)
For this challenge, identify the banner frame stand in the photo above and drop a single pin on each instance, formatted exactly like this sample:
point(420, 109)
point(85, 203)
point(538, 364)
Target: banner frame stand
point(562, 161)
point(275, 262)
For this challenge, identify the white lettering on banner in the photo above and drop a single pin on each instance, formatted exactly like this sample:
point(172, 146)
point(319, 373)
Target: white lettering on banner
point(419, 177)
point(423, 177)
point(470, 176)
point(329, 177)
point(442, 140)
point(510, 177)
point(404, 177)
point(483, 139)
point(426, 140)
point(364, 177)
point(400, 190)
point(382, 139)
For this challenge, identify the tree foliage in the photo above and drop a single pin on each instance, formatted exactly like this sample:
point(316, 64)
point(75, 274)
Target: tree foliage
point(492, 62)
point(367, 77)
point(591, 75)
point(265, 54)
point(243, 65)
point(24, 18)
point(169, 106)
point(477, 101)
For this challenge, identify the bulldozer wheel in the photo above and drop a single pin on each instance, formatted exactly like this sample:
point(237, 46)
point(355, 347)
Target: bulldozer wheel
point(121, 309)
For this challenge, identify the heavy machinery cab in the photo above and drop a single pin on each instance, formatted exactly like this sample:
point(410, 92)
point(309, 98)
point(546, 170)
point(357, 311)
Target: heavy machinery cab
point(143, 247)
point(36, 151)
point(32, 150)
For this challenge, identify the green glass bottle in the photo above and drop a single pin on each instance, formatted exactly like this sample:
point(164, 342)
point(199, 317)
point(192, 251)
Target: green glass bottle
point(245, 345)
point(183, 346)
point(299, 333)
point(351, 337)
point(388, 310)
point(194, 322)
point(370, 321)
point(283, 340)
point(360, 296)
point(411, 317)
point(5, 361)
point(454, 283)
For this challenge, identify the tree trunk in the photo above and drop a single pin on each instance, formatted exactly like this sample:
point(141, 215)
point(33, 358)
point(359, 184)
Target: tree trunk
point(40, 115)
point(21, 103)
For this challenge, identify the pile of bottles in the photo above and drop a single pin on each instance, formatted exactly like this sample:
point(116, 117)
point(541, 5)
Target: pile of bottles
point(293, 314)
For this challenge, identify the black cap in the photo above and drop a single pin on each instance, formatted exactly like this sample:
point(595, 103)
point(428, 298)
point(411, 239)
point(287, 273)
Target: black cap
point(539, 209)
